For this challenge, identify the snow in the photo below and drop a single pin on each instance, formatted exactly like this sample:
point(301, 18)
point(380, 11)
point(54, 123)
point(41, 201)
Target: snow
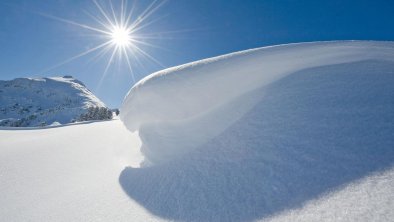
point(369, 199)
point(192, 103)
point(258, 134)
point(300, 132)
point(68, 173)
point(44, 101)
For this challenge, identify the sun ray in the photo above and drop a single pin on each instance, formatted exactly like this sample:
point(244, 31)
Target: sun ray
point(148, 56)
point(128, 64)
point(75, 23)
point(148, 23)
point(135, 57)
point(107, 67)
point(100, 54)
point(148, 12)
point(122, 29)
point(113, 13)
point(97, 19)
point(103, 12)
point(77, 56)
point(150, 45)
point(121, 12)
point(130, 14)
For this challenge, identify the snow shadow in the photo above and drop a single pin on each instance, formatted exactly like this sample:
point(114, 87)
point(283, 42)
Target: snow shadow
point(314, 132)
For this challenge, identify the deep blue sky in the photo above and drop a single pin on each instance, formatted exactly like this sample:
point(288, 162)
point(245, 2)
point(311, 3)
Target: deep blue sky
point(190, 30)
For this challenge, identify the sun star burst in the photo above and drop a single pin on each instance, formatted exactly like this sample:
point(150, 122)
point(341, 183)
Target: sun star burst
point(120, 29)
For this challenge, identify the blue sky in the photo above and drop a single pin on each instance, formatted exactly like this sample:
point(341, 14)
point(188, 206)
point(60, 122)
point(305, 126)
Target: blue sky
point(185, 31)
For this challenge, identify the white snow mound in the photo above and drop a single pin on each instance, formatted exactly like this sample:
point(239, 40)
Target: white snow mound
point(178, 109)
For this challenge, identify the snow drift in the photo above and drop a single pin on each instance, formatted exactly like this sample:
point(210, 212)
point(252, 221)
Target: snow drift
point(181, 108)
point(44, 101)
point(284, 133)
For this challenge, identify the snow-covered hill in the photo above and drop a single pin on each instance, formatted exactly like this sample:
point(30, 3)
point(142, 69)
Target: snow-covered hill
point(44, 101)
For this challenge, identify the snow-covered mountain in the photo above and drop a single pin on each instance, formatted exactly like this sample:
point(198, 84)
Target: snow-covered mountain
point(45, 101)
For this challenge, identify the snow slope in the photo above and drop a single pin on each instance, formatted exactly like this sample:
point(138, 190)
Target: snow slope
point(68, 174)
point(42, 101)
point(284, 132)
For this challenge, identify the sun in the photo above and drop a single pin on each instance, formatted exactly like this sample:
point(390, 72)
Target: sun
point(121, 36)
point(121, 33)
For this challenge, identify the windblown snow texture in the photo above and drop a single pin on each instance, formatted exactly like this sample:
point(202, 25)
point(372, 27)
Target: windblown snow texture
point(181, 108)
point(259, 133)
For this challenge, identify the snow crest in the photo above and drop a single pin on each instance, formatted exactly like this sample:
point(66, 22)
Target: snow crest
point(179, 109)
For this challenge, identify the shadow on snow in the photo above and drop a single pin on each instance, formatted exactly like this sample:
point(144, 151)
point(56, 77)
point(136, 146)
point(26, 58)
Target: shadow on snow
point(313, 132)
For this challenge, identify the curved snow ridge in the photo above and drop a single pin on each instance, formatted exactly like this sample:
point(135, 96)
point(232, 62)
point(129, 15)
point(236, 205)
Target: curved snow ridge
point(180, 108)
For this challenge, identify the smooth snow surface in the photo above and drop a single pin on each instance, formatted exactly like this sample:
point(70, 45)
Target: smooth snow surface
point(68, 174)
point(291, 132)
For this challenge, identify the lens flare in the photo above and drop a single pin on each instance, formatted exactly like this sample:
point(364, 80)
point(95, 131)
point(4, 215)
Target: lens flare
point(121, 33)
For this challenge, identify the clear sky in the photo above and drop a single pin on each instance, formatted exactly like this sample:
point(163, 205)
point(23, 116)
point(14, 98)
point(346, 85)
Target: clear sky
point(32, 42)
